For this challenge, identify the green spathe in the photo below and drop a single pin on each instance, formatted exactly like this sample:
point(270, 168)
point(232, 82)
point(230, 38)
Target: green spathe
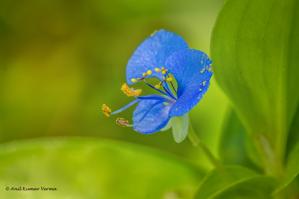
point(180, 127)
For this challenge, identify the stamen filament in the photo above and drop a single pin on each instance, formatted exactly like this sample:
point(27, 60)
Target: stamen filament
point(125, 107)
point(167, 91)
point(173, 86)
point(169, 79)
point(166, 88)
point(153, 87)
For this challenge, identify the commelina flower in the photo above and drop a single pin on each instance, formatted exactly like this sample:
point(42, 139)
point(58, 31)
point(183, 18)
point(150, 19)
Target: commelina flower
point(181, 75)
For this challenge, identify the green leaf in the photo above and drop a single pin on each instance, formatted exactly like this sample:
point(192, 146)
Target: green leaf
point(293, 137)
point(290, 183)
point(292, 170)
point(235, 147)
point(255, 45)
point(231, 181)
point(86, 168)
point(259, 187)
point(180, 127)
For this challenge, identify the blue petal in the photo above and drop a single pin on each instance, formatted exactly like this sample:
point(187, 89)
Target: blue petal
point(153, 53)
point(151, 116)
point(191, 69)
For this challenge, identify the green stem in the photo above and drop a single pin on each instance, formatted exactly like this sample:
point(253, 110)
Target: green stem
point(194, 139)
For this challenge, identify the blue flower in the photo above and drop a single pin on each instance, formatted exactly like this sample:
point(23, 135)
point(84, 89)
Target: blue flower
point(182, 75)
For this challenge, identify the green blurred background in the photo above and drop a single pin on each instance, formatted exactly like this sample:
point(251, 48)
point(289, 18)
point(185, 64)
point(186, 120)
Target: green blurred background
point(61, 59)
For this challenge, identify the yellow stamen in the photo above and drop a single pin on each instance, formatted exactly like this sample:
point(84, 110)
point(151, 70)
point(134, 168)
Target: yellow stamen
point(169, 79)
point(157, 70)
point(164, 70)
point(130, 92)
point(149, 72)
point(144, 74)
point(106, 110)
point(158, 86)
point(122, 122)
point(133, 80)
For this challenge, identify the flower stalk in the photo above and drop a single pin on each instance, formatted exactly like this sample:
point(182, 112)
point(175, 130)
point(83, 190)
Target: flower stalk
point(196, 141)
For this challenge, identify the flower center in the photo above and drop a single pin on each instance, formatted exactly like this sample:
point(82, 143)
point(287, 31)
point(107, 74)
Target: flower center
point(166, 86)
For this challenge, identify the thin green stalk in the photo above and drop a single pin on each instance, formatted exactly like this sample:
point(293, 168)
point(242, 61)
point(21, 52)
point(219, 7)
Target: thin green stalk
point(194, 139)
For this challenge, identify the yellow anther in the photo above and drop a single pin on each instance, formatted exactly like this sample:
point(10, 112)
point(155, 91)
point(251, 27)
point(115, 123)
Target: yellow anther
point(122, 122)
point(106, 110)
point(130, 92)
point(144, 74)
point(158, 86)
point(164, 71)
point(134, 80)
point(169, 79)
point(157, 70)
point(149, 72)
